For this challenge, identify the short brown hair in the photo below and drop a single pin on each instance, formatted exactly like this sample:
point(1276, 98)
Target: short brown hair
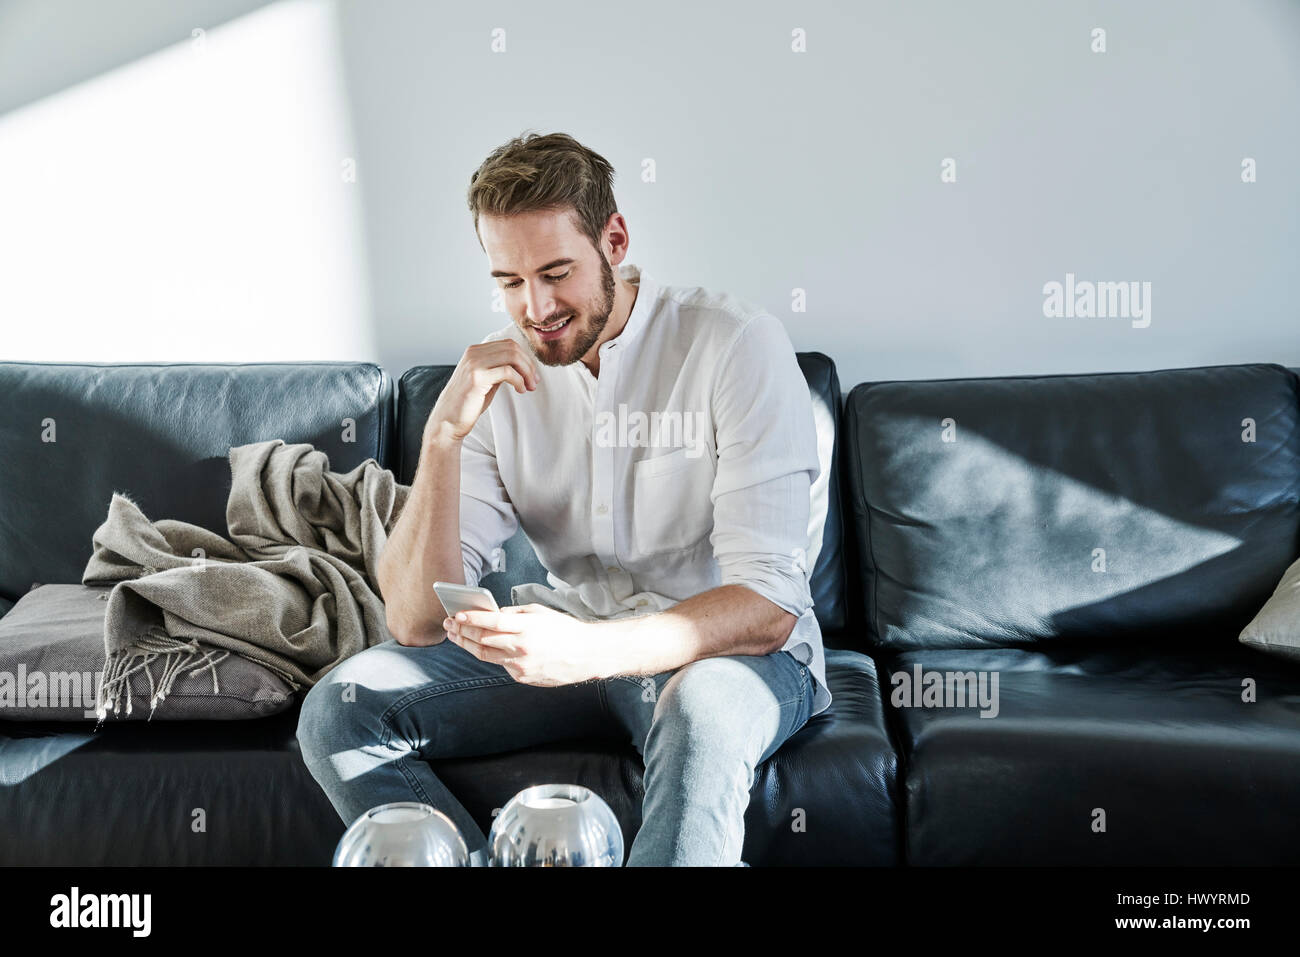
point(550, 171)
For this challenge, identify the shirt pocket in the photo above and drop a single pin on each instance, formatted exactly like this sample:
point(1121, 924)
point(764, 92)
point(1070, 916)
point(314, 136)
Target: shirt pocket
point(671, 505)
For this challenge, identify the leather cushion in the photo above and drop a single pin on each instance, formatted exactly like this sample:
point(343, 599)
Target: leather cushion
point(828, 795)
point(1186, 772)
point(161, 433)
point(173, 792)
point(1072, 506)
point(126, 794)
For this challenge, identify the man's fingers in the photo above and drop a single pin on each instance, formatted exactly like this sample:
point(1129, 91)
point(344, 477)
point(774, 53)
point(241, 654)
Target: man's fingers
point(495, 639)
point(503, 373)
point(503, 620)
point(481, 650)
point(512, 353)
point(525, 363)
point(513, 375)
point(508, 641)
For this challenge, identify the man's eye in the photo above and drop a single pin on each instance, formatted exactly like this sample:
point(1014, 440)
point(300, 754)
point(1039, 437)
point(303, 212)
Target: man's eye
point(559, 278)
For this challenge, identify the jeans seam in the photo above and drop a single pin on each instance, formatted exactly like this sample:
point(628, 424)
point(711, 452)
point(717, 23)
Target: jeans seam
point(421, 694)
point(757, 728)
point(758, 725)
point(431, 691)
point(412, 780)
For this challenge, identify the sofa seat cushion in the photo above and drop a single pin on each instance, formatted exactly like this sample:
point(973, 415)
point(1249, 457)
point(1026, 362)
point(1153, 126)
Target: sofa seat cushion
point(1186, 772)
point(126, 794)
point(840, 769)
point(175, 792)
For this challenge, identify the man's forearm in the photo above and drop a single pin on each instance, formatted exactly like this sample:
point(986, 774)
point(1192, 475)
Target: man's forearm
point(728, 620)
point(424, 546)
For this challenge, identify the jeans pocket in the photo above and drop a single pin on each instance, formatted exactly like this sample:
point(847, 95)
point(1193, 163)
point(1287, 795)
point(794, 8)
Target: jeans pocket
point(805, 675)
point(805, 695)
point(797, 711)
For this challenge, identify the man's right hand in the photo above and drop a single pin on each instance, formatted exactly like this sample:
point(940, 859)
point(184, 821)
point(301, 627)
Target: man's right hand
point(474, 383)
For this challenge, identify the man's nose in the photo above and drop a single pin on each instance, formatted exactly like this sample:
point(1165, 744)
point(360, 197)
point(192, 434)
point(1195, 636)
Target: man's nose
point(540, 302)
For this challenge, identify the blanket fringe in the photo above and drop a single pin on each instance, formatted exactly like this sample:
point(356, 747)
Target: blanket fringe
point(145, 648)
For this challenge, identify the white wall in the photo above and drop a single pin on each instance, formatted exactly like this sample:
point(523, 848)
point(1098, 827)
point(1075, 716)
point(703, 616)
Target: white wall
point(164, 199)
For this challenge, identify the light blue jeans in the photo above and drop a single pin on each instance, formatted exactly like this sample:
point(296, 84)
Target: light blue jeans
point(369, 729)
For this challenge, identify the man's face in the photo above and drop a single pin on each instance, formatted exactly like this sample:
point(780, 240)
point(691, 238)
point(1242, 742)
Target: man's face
point(549, 273)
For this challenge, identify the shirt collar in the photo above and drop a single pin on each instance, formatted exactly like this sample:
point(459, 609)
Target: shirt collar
point(646, 298)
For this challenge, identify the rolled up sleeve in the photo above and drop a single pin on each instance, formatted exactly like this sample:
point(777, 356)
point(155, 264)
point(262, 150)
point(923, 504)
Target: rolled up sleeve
point(767, 463)
point(487, 516)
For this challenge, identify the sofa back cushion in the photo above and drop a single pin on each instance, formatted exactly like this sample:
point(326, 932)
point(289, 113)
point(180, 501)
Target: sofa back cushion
point(1017, 510)
point(72, 434)
point(418, 391)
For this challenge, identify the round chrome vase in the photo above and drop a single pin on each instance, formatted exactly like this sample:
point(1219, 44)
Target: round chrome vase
point(556, 825)
point(403, 834)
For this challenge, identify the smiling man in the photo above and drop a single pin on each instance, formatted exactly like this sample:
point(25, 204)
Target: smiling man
point(677, 613)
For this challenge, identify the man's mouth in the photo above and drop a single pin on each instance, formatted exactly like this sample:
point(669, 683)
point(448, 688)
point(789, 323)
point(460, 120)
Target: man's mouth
point(552, 331)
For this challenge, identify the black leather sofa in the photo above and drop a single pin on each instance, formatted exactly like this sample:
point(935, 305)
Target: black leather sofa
point(961, 536)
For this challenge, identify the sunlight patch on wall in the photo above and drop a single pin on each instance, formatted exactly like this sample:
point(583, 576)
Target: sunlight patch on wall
point(191, 206)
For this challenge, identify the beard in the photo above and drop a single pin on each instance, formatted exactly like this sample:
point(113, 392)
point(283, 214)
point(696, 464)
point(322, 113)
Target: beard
point(580, 336)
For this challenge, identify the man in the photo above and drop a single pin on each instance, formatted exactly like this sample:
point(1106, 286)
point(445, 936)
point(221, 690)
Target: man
point(658, 446)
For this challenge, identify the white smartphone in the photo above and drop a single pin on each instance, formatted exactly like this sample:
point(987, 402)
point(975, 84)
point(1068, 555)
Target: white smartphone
point(456, 598)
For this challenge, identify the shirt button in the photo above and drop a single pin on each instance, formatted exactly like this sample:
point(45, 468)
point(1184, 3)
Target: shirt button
point(601, 509)
point(612, 568)
point(641, 601)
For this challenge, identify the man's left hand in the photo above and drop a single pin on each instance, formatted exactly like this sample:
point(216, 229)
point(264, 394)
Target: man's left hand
point(536, 645)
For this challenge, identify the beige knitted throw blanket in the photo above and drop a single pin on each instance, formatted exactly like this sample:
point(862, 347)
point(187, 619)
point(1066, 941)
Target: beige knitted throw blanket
point(292, 588)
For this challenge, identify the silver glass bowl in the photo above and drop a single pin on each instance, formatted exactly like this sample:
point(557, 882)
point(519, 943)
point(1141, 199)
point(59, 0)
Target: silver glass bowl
point(404, 834)
point(556, 825)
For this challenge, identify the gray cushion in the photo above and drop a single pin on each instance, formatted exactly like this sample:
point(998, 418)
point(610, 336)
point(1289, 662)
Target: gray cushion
point(52, 660)
point(1276, 629)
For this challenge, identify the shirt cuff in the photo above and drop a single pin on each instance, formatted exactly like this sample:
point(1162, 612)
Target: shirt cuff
point(782, 580)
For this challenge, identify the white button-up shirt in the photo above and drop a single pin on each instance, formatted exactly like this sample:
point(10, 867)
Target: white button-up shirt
point(691, 462)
